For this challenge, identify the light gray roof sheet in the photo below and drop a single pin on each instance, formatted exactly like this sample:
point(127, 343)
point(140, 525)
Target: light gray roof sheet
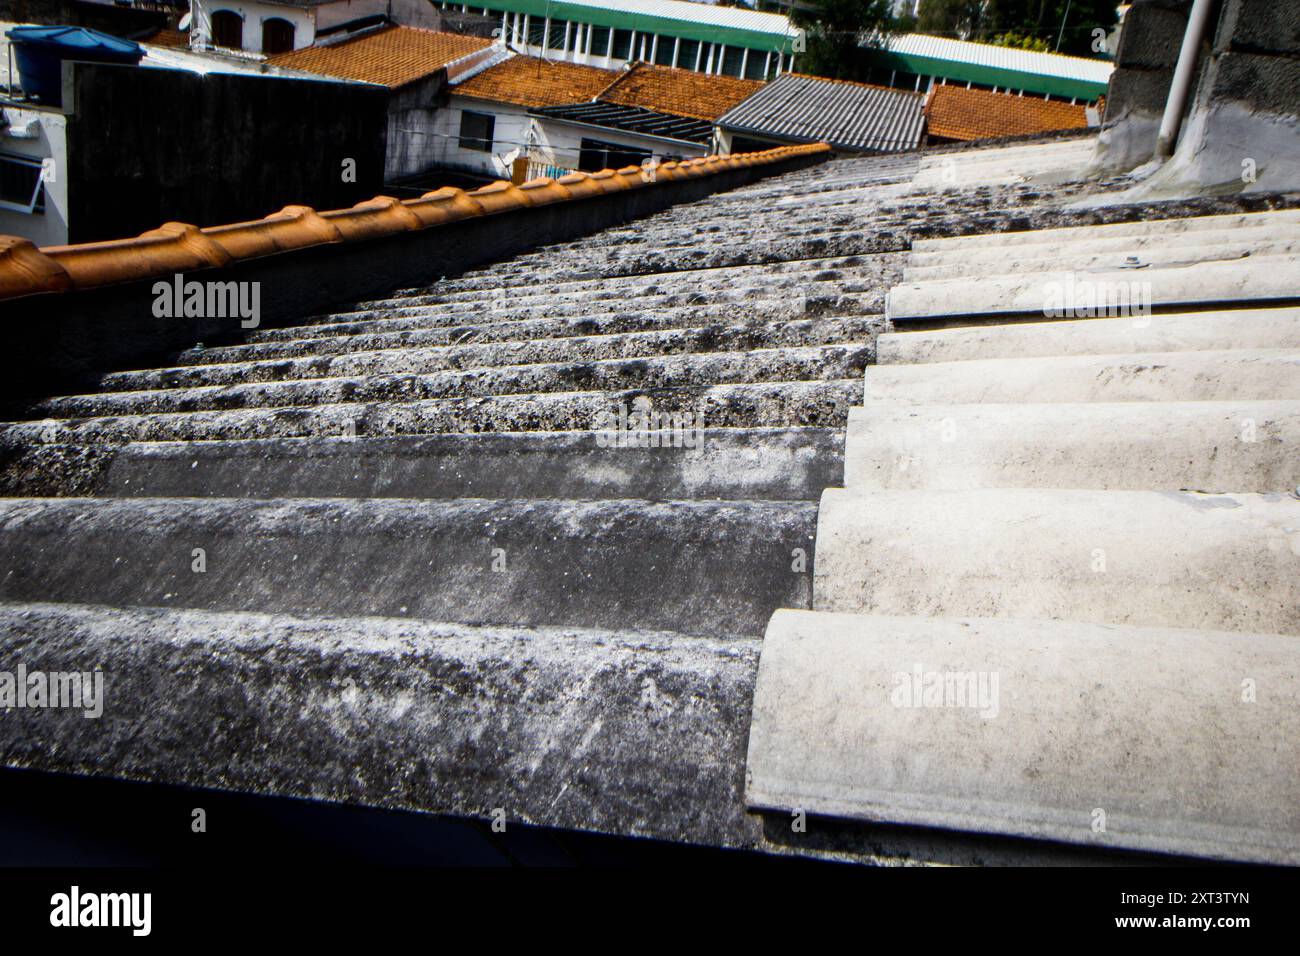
point(846, 115)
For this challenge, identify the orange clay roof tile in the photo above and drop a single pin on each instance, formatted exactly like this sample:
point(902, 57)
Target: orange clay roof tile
point(392, 57)
point(954, 112)
point(167, 36)
point(665, 89)
point(533, 82)
point(179, 247)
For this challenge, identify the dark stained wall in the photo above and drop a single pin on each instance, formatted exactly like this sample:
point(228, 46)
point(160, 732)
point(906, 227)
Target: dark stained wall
point(148, 146)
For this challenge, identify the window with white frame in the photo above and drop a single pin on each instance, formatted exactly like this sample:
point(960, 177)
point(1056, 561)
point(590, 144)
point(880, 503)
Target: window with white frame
point(22, 185)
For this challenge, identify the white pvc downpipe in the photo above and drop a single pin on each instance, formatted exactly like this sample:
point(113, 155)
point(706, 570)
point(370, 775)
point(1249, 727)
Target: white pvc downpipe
point(1183, 74)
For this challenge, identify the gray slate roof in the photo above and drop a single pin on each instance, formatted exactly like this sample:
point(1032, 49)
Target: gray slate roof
point(846, 115)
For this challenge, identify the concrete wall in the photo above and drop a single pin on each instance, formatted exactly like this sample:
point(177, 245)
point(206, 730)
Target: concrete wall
point(512, 127)
point(1243, 132)
point(414, 112)
point(68, 338)
point(213, 149)
point(1240, 132)
point(1144, 67)
point(39, 135)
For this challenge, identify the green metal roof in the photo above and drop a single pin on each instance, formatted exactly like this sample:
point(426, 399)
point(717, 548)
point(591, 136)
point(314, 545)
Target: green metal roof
point(693, 21)
point(964, 61)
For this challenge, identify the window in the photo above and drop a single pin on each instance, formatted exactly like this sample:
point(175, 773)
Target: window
point(556, 38)
point(277, 36)
point(536, 31)
point(597, 155)
point(754, 68)
point(731, 60)
point(664, 51)
point(687, 53)
point(599, 40)
point(227, 29)
point(622, 44)
point(21, 186)
point(476, 130)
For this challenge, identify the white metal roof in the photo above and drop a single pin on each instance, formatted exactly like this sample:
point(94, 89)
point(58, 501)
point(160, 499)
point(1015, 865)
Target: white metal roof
point(1001, 57)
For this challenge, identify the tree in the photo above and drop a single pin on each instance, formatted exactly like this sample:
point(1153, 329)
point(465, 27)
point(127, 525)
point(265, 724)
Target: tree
point(1073, 22)
point(1021, 41)
point(836, 32)
point(963, 19)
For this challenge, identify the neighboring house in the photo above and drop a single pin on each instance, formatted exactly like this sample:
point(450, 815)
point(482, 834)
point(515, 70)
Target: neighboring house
point(270, 27)
point(416, 67)
point(673, 110)
point(261, 26)
point(488, 122)
point(88, 170)
point(562, 116)
point(956, 114)
point(732, 41)
point(918, 61)
point(853, 117)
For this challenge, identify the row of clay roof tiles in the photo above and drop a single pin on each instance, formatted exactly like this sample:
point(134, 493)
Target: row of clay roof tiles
point(180, 247)
point(954, 112)
point(391, 56)
point(536, 83)
point(396, 55)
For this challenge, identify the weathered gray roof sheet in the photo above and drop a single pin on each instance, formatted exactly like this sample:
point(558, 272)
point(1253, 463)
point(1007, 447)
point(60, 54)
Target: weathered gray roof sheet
point(846, 115)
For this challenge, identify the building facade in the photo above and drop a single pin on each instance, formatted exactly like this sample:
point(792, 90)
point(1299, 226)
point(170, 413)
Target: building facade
point(727, 41)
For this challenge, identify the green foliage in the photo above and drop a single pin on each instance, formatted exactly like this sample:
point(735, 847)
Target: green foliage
point(1022, 42)
point(836, 31)
point(990, 21)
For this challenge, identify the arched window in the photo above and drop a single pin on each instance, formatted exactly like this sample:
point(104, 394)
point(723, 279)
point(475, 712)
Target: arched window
point(227, 29)
point(277, 36)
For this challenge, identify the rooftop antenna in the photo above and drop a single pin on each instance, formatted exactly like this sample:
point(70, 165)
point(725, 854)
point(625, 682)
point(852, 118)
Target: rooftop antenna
point(1059, 35)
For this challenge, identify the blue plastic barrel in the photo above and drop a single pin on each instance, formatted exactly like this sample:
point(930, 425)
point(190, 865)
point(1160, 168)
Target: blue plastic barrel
point(40, 52)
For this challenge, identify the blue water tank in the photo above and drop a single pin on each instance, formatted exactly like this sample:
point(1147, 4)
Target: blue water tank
point(40, 52)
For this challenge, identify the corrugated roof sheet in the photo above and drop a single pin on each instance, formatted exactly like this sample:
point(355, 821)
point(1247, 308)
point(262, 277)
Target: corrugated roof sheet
point(664, 89)
point(847, 115)
point(955, 112)
point(533, 82)
point(1001, 57)
point(736, 18)
point(634, 119)
point(392, 57)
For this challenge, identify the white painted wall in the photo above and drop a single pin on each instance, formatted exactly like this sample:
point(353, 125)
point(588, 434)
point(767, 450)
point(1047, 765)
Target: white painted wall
point(565, 141)
point(513, 128)
point(516, 133)
point(411, 14)
point(39, 134)
point(254, 14)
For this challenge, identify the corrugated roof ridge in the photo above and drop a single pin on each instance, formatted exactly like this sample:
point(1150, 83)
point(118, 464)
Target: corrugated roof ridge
point(180, 247)
point(628, 70)
point(1064, 56)
point(831, 79)
point(503, 86)
point(680, 92)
